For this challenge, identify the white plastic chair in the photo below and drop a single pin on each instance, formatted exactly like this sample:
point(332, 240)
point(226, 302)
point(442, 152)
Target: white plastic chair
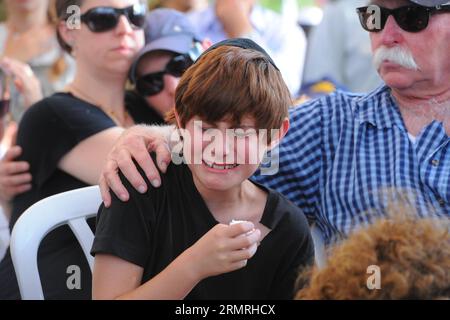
point(319, 246)
point(72, 208)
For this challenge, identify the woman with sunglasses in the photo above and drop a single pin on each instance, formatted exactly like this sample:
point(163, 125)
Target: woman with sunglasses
point(65, 137)
point(159, 66)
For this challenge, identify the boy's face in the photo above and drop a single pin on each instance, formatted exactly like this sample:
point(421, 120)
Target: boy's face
point(221, 156)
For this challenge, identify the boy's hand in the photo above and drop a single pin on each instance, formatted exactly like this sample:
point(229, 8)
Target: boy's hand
point(223, 249)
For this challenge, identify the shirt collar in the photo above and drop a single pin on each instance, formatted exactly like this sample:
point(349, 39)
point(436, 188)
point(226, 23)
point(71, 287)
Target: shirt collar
point(379, 108)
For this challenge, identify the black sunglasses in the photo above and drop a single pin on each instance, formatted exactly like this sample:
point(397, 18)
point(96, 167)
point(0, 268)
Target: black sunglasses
point(153, 83)
point(101, 19)
point(410, 18)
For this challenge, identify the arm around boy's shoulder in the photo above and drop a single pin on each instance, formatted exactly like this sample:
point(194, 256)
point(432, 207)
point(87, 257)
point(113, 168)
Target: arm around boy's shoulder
point(146, 204)
point(126, 229)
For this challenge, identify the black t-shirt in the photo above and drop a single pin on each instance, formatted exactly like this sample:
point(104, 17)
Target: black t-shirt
point(47, 132)
point(152, 229)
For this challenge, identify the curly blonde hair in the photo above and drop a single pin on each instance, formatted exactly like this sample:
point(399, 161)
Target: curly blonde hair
point(413, 256)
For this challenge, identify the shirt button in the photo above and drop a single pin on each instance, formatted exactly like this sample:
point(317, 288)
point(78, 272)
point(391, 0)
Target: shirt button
point(435, 162)
point(441, 202)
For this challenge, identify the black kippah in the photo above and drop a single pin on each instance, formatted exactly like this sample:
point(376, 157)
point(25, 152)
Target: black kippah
point(240, 43)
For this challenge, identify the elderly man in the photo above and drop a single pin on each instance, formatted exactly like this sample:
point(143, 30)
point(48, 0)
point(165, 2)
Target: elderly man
point(348, 156)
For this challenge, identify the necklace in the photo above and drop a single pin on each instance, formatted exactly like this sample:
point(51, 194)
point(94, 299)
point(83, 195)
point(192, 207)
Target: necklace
point(119, 119)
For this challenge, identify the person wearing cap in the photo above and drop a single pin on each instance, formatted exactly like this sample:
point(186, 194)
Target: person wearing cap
point(171, 47)
point(209, 232)
point(347, 155)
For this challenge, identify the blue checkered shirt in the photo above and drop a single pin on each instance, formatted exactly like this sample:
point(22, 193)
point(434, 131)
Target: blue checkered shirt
point(347, 156)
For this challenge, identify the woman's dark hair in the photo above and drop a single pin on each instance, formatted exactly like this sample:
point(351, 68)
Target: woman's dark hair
point(61, 14)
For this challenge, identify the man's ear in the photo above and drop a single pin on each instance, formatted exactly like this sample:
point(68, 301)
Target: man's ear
point(276, 138)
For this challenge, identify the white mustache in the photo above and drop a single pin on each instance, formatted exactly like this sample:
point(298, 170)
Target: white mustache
point(398, 55)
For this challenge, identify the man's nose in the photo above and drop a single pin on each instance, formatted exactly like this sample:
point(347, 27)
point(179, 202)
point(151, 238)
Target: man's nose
point(392, 34)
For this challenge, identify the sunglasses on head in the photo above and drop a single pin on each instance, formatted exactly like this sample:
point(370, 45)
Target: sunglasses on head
point(153, 83)
point(410, 18)
point(101, 19)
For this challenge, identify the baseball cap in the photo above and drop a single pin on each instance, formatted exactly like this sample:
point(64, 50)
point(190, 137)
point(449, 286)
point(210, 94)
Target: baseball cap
point(430, 3)
point(166, 29)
